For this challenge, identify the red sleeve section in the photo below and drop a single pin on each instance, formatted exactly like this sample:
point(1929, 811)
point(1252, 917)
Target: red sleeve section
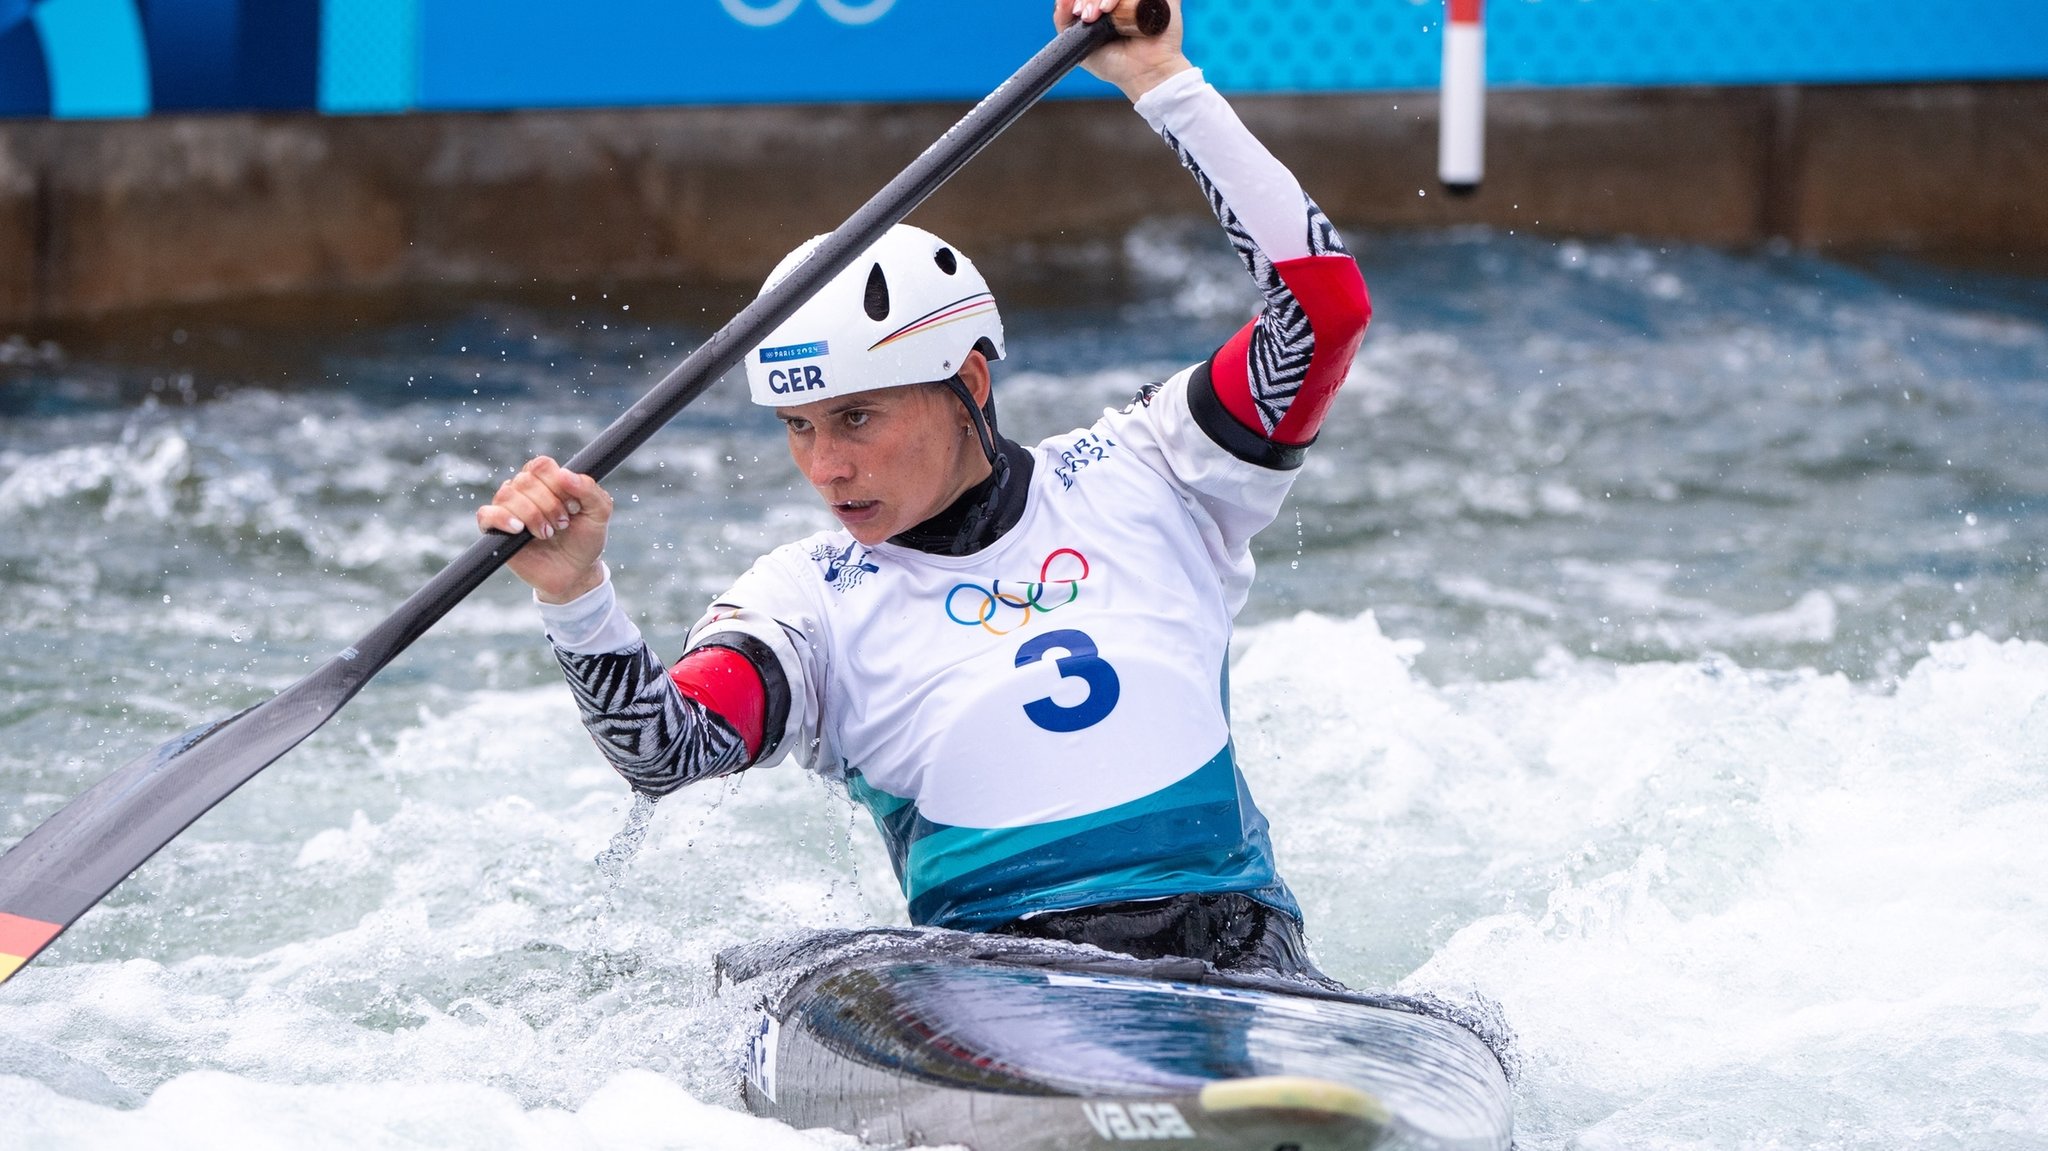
point(1332, 294)
point(1231, 373)
point(729, 686)
point(1332, 291)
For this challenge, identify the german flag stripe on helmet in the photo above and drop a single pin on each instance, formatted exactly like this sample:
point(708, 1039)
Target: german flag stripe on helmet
point(953, 313)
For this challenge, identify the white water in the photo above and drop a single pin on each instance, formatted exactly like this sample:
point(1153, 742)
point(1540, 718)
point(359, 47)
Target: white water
point(1706, 738)
point(1722, 908)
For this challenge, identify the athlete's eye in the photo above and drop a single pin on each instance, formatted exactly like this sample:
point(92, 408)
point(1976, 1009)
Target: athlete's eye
point(796, 426)
point(856, 417)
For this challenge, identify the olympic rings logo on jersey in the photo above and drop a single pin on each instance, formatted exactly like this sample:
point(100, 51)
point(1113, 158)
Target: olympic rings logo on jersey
point(846, 12)
point(991, 608)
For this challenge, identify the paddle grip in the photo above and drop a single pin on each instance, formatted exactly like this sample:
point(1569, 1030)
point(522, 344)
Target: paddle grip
point(1146, 18)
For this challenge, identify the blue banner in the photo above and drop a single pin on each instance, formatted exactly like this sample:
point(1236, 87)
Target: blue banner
point(132, 57)
point(1335, 45)
point(509, 53)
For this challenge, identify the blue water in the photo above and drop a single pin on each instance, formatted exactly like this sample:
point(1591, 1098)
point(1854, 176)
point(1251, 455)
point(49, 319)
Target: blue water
point(1656, 643)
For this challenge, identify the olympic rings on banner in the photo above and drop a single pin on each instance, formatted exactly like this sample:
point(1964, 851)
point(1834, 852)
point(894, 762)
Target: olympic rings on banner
point(983, 607)
point(856, 15)
point(844, 11)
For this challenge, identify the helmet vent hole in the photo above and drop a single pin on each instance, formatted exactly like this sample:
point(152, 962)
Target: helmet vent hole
point(946, 261)
point(878, 295)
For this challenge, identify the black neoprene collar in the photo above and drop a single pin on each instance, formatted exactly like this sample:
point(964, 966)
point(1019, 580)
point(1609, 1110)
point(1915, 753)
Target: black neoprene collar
point(982, 513)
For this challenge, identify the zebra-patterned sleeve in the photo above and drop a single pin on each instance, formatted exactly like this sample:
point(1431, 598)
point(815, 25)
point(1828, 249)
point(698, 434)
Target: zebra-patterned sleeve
point(1276, 378)
point(655, 736)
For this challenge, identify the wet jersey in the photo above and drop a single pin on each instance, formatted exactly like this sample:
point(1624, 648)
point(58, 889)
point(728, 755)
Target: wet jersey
point(1042, 724)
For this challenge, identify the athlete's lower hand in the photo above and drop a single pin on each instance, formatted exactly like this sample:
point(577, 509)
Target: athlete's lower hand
point(567, 513)
point(1135, 65)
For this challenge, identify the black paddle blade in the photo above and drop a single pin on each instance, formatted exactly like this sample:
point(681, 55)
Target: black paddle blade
point(70, 862)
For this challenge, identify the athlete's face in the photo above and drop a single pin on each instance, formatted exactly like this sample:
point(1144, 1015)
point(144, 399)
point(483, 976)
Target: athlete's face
point(893, 458)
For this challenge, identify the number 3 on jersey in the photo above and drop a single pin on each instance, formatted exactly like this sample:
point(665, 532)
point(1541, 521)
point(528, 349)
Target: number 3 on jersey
point(1081, 662)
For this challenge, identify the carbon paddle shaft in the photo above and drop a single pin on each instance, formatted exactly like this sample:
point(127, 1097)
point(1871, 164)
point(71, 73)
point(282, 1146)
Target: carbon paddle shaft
point(70, 862)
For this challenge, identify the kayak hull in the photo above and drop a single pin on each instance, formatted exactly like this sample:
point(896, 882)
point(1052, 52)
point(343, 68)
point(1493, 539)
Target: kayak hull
point(933, 1038)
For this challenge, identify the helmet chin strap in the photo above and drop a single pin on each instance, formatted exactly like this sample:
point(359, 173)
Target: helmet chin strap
point(984, 424)
point(999, 468)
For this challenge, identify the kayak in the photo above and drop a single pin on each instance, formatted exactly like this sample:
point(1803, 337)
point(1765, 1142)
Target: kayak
point(927, 1037)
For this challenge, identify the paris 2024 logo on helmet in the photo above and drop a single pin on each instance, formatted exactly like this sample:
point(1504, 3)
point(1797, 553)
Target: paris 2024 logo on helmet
point(908, 311)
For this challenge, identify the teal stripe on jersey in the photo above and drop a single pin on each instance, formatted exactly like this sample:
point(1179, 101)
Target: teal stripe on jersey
point(1201, 834)
point(895, 818)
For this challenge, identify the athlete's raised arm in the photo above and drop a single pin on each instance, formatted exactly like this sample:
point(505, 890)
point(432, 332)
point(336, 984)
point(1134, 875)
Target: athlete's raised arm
point(1275, 379)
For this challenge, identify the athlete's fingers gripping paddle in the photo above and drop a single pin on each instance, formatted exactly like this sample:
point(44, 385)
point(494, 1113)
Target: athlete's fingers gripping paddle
point(73, 859)
point(568, 513)
point(1146, 56)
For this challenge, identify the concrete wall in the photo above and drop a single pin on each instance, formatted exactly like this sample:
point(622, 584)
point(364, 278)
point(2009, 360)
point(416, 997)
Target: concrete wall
point(97, 217)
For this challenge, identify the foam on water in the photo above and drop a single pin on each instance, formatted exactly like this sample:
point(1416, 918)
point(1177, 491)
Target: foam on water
point(1721, 907)
point(1701, 718)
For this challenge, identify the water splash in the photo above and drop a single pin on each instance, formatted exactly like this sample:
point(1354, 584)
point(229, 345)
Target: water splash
point(605, 960)
point(612, 861)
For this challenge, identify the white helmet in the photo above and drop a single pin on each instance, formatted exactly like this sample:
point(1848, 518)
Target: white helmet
point(906, 312)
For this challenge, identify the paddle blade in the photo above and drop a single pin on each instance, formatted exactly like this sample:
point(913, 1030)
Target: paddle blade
point(59, 870)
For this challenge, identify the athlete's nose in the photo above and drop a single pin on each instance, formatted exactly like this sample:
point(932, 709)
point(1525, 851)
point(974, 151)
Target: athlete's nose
point(828, 464)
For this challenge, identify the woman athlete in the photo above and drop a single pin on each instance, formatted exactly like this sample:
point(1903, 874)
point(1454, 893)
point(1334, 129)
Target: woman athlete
point(1014, 657)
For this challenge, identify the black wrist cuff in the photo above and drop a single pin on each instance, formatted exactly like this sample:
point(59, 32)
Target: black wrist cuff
point(1223, 429)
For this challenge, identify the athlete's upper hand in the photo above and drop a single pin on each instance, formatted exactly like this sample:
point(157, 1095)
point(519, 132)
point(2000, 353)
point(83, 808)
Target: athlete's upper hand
point(567, 514)
point(1135, 65)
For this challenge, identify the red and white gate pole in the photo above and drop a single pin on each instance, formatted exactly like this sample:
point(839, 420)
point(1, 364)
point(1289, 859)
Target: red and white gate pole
point(1461, 139)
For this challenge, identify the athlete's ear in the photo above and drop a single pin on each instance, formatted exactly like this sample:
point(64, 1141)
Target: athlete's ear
point(974, 373)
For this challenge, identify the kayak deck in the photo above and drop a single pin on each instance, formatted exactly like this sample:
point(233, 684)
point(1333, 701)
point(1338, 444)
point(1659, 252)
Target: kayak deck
point(938, 1038)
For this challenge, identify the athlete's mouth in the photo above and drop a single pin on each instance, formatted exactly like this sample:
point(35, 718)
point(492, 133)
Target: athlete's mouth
point(854, 509)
